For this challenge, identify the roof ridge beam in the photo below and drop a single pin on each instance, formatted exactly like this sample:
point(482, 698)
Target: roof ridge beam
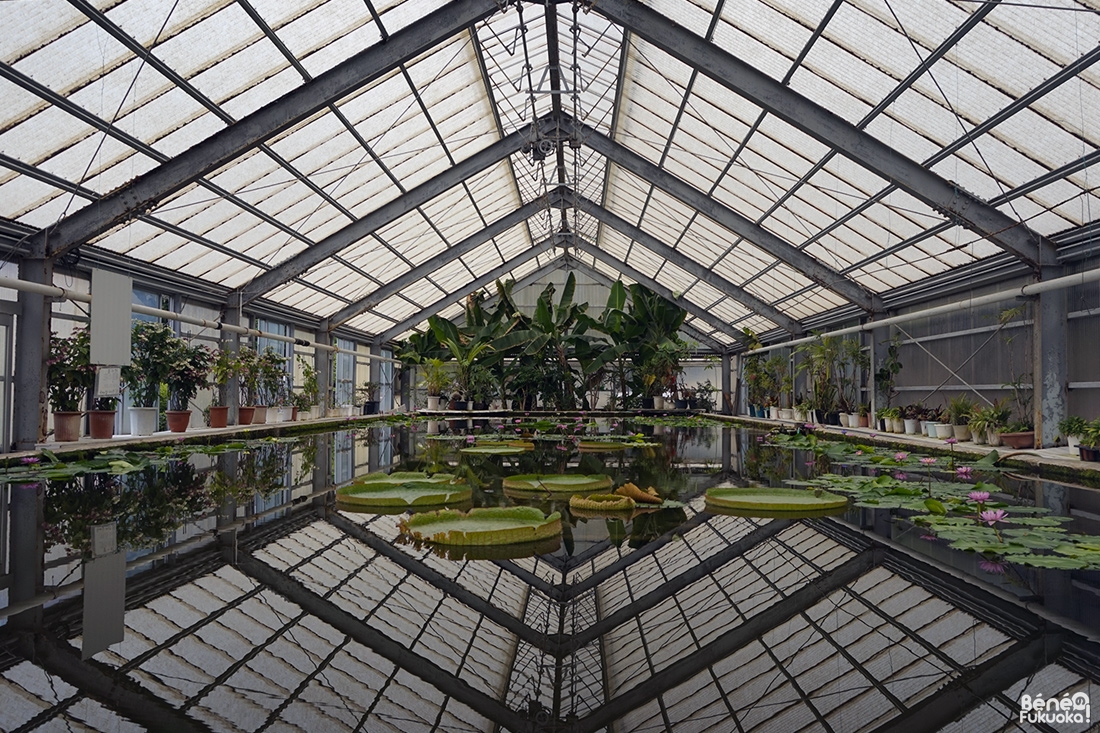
point(684, 262)
point(774, 245)
point(832, 130)
point(145, 191)
point(431, 265)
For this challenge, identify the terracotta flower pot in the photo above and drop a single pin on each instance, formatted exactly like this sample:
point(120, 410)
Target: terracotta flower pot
point(101, 424)
point(66, 426)
point(178, 420)
point(1019, 441)
point(293, 414)
point(219, 417)
point(245, 415)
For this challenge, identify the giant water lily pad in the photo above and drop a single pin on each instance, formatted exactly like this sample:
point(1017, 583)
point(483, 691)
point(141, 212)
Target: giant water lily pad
point(494, 450)
point(404, 477)
point(411, 494)
point(561, 483)
point(600, 505)
point(485, 526)
point(774, 502)
point(600, 446)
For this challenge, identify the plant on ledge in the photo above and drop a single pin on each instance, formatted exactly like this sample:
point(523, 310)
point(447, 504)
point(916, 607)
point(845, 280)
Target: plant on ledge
point(152, 351)
point(70, 371)
point(190, 373)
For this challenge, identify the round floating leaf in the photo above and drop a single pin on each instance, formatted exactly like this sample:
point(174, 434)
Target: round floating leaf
point(404, 477)
point(773, 502)
point(557, 483)
point(497, 552)
point(486, 526)
point(413, 493)
point(599, 446)
point(601, 503)
point(493, 450)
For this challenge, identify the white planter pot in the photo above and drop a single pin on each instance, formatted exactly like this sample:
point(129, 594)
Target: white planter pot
point(897, 425)
point(912, 427)
point(773, 413)
point(433, 402)
point(1073, 441)
point(658, 403)
point(978, 437)
point(845, 421)
point(285, 413)
point(785, 413)
point(993, 436)
point(943, 430)
point(924, 427)
point(143, 420)
point(433, 427)
point(961, 432)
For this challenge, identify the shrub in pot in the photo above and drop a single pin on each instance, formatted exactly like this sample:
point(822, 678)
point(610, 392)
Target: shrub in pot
point(959, 409)
point(368, 394)
point(152, 349)
point(190, 372)
point(437, 377)
point(101, 418)
point(225, 367)
point(71, 375)
point(1073, 427)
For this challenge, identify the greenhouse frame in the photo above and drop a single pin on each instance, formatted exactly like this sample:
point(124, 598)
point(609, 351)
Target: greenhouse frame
point(363, 189)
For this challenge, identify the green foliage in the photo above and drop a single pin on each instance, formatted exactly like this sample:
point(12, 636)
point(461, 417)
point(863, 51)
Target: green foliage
point(70, 371)
point(152, 355)
point(887, 375)
point(189, 372)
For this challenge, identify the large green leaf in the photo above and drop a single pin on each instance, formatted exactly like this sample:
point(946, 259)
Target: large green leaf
point(488, 526)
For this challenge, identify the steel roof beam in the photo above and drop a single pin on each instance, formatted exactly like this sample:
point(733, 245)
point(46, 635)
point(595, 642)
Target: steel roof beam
point(684, 262)
point(250, 131)
point(774, 245)
point(486, 279)
point(379, 643)
point(976, 686)
point(639, 277)
point(729, 642)
point(380, 217)
point(399, 283)
point(831, 130)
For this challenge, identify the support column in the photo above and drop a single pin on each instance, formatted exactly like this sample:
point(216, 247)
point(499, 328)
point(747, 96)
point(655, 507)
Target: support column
point(32, 351)
point(880, 345)
point(26, 552)
point(322, 362)
point(1050, 363)
point(375, 366)
point(728, 398)
point(230, 393)
point(227, 509)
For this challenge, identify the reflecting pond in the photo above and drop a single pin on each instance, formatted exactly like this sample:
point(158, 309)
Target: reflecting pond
point(255, 599)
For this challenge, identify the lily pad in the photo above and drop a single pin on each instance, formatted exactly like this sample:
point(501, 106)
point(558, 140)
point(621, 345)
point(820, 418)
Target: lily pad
point(601, 503)
point(557, 483)
point(414, 493)
point(493, 450)
point(773, 502)
point(515, 551)
point(485, 526)
point(404, 477)
point(600, 446)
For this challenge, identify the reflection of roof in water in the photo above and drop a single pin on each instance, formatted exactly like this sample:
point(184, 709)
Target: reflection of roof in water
point(326, 623)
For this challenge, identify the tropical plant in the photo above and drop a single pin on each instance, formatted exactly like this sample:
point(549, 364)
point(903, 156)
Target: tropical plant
point(1090, 436)
point(1072, 425)
point(249, 372)
point(464, 349)
point(436, 377)
point(70, 371)
point(189, 373)
point(311, 388)
point(959, 409)
point(153, 347)
point(225, 367)
point(821, 357)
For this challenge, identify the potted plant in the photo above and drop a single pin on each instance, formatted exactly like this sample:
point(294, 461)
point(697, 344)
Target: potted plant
point(959, 409)
point(101, 418)
point(71, 375)
point(483, 386)
point(226, 365)
point(1089, 447)
point(910, 415)
point(436, 379)
point(863, 415)
point(152, 345)
point(894, 421)
point(271, 386)
point(248, 381)
point(979, 423)
point(311, 389)
point(1073, 427)
point(190, 372)
point(368, 394)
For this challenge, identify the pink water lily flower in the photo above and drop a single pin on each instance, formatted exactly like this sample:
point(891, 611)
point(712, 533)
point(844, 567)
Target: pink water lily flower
point(978, 496)
point(964, 471)
point(992, 516)
point(900, 456)
point(928, 460)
